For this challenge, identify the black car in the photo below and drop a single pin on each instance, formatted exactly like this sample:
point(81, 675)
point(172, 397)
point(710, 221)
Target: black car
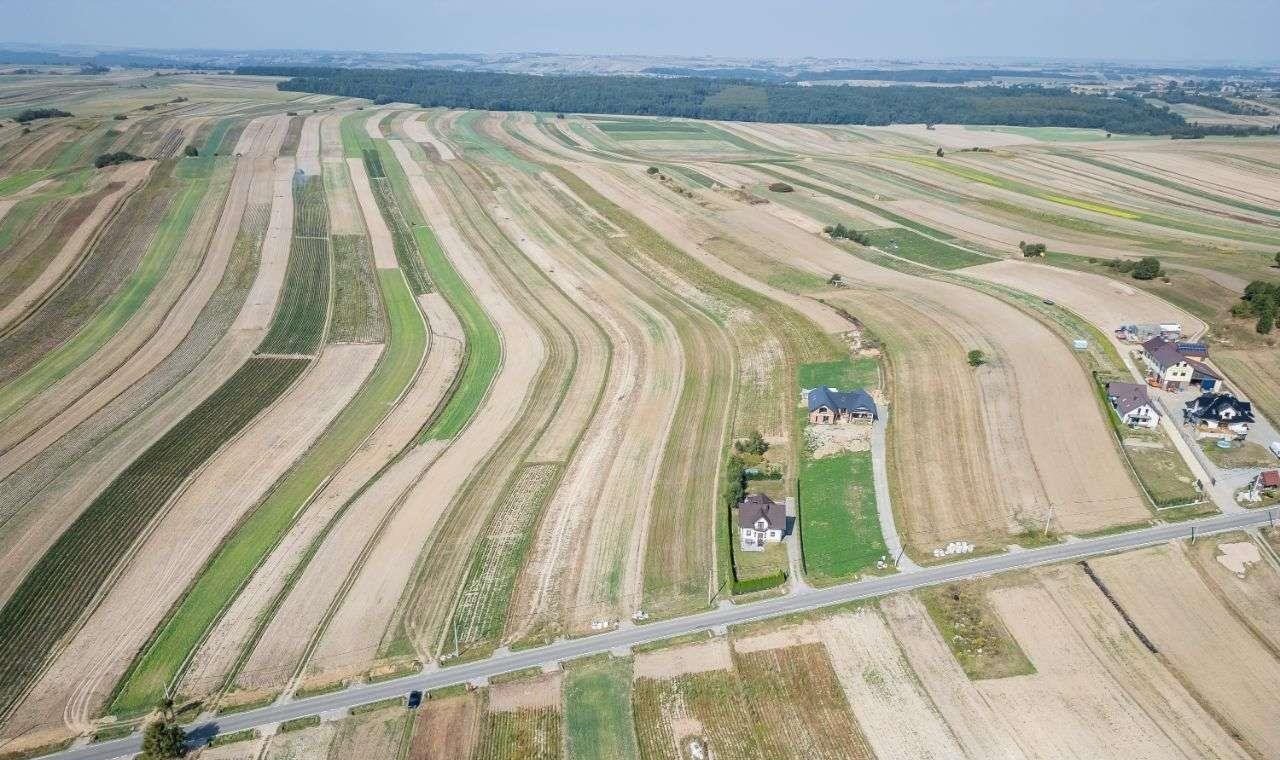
point(414, 700)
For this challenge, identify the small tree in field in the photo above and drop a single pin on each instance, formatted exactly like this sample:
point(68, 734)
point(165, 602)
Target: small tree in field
point(163, 739)
point(940, 154)
point(1147, 268)
point(191, 151)
point(1278, 258)
point(977, 358)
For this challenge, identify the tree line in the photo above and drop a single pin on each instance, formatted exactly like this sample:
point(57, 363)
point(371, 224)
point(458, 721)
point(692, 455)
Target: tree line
point(735, 100)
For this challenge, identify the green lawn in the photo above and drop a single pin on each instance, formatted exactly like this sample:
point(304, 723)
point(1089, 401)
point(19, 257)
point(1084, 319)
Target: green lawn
point(597, 707)
point(236, 559)
point(922, 250)
point(839, 528)
point(848, 372)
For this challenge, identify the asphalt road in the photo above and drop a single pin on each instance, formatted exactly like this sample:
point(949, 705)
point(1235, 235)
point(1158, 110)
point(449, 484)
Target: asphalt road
point(728, 614)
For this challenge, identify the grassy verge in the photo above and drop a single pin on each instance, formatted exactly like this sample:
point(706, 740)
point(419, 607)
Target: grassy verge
point(974, 632)
point(297, 724)
point(597, 707)
point(231, 567)
point(238, 736)
point(839, 527)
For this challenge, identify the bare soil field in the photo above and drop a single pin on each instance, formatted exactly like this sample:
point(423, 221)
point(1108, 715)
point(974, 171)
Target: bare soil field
point(670, 662)
point(1229, 670)
point(447, 729)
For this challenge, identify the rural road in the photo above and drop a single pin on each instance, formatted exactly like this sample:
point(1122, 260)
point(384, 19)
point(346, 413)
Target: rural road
point(436, 677)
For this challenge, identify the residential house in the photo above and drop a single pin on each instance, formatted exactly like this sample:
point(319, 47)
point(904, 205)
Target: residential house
point(1218, 415)
point(762, 521)
point(1166, 367)
point(1265, 484)
point(1131, 402)
point(829, 405)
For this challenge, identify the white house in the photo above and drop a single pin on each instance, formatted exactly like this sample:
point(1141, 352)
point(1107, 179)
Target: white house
point(761, 520)
point(1131, 402)
point(1166, 366)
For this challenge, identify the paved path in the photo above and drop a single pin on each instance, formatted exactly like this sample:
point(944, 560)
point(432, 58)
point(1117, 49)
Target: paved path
point(884, 504)
point(717, 619)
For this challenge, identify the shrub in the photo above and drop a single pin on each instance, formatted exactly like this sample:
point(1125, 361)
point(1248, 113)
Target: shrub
point(755, 444)
point(977, 358)
point(1031, 249)
point(119, 157)
point(652, 170)
point(119, 117)
point(31, 114)
point(839, 231)
point(191, 151)
point(764, 582)
point(783, 187)
point(1147, 268)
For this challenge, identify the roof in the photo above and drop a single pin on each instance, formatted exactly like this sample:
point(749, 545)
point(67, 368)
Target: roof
point(757, 505)
point(837, 399)
point(1200, 370)
point(1128, 396)
point(1211, 406)
point(1163, 353)
point(1193, 349)
point(1269, 478)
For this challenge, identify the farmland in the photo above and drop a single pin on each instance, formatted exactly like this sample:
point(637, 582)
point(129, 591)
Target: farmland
point(360, 390)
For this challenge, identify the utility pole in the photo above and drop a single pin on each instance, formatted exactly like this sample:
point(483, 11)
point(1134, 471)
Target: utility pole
point(1193, 535)
point(455, 637)
point(897, 561)
point(1048, 520)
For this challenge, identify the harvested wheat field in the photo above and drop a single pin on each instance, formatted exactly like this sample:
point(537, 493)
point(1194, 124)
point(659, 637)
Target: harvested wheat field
point(303, 392)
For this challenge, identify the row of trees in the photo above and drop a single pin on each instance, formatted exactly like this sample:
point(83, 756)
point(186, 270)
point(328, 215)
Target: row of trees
point(31, 114)
point(739, 100)
point(841, 232)
point(1145, 268)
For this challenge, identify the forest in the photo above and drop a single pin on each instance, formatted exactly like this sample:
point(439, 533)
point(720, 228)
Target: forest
point(704, 98)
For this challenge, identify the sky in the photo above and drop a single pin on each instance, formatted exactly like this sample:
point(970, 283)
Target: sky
point(1182, 30)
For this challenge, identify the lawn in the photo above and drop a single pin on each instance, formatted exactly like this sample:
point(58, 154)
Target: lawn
point(597, 708)
point(839, 527)
point(1245, 454)
point(749, 565)
point(1164, 474)
point(923, 250)
point(217, 585)
point(862, 372)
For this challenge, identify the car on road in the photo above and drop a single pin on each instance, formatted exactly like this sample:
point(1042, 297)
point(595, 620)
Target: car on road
point(414, 700)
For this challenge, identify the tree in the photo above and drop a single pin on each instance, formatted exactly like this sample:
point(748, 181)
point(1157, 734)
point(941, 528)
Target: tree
point(977, 358)
point(652, 170)
point(1147, 268)
point(940, 154)
point(191, 151)
point(1266, 321)
point(1278, 258)
point(755, 444)
point(163, 739)
point(1031, 249)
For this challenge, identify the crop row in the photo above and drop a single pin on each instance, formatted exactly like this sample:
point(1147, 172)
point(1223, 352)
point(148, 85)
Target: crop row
point(497, 557)
point(310, 208)
point(57, 590)
point(401, 238)
point(236, 559)
point(521, 735)
point(298, 324)
point(357, 313)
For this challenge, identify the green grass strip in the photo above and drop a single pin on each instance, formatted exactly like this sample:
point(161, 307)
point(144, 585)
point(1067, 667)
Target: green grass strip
point(845, 372)
point(839, 528)
point(916, 247)
point(484, 349)
point(17, 182)
point(54, 594)
point(59, 362)
point(236, 560)
point(597, 709)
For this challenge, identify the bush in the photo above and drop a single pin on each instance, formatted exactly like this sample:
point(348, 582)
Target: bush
point(755, 444)
point(839, 231)
point(119, 157)
point(31, 114)
point(977, 358)
point(1031, 249)
point(119, 117)
point(191, 151)
point(783, 187)
point(1147, 268)
point(652, 170)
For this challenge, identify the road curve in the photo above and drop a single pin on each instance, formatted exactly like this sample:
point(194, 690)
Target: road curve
point(435, 677)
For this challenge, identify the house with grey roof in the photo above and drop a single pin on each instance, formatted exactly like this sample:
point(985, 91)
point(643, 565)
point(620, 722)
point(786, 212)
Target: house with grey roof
point(1218, 415)
point(761, 520)
point(830, 405)
point(1131, 402)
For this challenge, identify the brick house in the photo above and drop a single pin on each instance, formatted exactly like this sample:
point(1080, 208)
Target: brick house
point(829, 406)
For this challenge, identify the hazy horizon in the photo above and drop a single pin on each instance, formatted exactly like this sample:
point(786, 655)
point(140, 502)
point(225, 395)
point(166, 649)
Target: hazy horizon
point(1234, 30)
